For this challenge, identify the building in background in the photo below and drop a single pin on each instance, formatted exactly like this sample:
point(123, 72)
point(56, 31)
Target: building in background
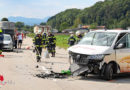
point(42, 29)
point(54, 31)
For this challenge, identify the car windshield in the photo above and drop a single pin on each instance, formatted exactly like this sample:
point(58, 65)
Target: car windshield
point(7, 38)
point(98, 38)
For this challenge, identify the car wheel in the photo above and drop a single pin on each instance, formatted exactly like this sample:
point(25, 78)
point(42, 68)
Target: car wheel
point(109, 72)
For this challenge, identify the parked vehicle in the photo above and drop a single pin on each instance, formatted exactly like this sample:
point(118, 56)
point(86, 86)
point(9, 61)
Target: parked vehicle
point(8, 28)
point(7, 42)
point(104, 53)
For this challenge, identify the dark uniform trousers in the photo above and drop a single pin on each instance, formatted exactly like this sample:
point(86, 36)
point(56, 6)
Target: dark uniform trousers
point(71, 41)
point(1, 46)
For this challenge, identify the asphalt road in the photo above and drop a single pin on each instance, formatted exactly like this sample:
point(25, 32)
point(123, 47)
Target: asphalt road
point(19, 70)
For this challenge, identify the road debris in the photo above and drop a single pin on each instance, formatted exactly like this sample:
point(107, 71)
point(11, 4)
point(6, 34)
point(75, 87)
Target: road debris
point(49, 73)
point(52, 75)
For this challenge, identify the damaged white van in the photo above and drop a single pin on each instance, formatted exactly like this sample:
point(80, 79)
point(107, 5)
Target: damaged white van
point(105, 53)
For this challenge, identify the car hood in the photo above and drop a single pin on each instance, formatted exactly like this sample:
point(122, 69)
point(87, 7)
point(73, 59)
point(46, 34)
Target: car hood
point(90, 49)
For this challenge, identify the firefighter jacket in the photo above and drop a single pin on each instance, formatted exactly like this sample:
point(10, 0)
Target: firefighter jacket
point(51, 41)
point(71, 41)
point(38, 42)
point(44, 38)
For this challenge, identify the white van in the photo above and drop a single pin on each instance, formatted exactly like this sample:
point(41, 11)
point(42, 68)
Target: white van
point(7, 42)
point(105, 53)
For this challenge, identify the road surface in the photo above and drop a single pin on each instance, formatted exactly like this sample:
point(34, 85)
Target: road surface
point(18, 70)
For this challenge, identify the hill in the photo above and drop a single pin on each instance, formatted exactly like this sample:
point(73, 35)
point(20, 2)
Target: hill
point(111, 13)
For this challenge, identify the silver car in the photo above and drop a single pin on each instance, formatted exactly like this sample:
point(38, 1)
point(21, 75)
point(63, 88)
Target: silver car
point(7, 42)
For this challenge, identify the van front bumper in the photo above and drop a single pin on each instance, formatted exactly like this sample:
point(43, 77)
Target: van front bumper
point(7, 47)
point(85, 63)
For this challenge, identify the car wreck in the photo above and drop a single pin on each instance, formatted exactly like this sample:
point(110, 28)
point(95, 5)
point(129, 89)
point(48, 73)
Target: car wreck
point(103, 52)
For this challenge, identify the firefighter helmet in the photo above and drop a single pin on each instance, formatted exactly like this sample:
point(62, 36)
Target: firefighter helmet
point(78, 33)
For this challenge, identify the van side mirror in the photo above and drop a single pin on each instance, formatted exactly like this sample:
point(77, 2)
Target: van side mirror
point(119, 46)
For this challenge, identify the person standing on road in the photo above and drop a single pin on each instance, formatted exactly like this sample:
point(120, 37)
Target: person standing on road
point(1, 41)
point(20, 40)
point(15, 41)
point(79, 36)
point(38, 42)
point(51, 44)
point(71, 40)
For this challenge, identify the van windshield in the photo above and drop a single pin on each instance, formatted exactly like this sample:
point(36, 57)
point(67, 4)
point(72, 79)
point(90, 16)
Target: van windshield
point(98, 38)
point(7, 38)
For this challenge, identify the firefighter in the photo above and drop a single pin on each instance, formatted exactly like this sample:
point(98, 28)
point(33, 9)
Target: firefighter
point(1, 41)
point(44, 37)
point(51, 44)
point(79, 36)
point(71, 40)
point(38, 42)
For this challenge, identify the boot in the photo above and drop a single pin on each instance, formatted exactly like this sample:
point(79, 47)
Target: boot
point(38, 59)
point(33, 50)
point(51, 54)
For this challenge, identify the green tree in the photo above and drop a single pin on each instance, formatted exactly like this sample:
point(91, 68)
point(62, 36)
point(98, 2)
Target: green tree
point(64, 25)
point(109, 13)
point(93, 26)
point(19, 25)
point(77, 22)
point(42, 23)
point(4, 19)
point(62, 19)
point(28, 28)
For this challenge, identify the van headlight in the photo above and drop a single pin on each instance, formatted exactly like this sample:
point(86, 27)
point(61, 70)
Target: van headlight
point(96, 57)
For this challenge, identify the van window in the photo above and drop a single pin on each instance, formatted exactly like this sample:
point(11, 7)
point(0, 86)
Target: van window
point(128, 40)
point(125, 41)
point(88, 38)
point(7, 38)
point(121, 36)
point(99, 38)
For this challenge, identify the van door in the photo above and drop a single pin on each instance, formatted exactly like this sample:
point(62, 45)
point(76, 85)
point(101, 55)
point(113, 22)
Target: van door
point(123, 53)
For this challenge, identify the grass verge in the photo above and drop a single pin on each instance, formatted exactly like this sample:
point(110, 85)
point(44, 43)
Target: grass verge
point(61, 40)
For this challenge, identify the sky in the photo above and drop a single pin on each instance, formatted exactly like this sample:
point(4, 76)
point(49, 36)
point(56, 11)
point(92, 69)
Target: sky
point(40, 8)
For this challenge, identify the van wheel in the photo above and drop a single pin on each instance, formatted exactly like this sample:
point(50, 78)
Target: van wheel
point(109, 72)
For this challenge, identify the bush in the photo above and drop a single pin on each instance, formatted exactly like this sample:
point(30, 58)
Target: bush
point(62, 41)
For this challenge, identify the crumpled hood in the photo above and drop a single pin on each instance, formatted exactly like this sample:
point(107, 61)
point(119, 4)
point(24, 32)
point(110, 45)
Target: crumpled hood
point(89, 49)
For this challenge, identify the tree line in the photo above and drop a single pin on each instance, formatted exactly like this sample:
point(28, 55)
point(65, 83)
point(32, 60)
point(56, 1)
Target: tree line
point(109, 13)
